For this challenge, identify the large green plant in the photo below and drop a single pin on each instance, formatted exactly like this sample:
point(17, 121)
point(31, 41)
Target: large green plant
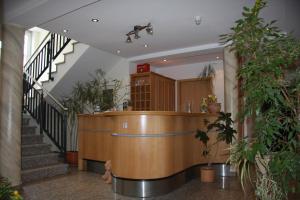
point(98, 92)
point(270, 100)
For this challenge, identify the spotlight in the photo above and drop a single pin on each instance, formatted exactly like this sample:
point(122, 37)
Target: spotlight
point(128, 40)
point(136, 35)
point(149, 30)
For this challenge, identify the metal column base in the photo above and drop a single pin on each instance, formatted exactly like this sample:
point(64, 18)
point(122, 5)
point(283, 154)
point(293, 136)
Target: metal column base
point(157, 187)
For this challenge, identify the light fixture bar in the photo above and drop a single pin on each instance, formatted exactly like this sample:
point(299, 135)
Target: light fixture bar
point(136, 30)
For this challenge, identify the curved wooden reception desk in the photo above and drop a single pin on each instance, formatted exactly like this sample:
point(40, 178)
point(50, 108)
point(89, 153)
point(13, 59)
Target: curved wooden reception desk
point(144, 145)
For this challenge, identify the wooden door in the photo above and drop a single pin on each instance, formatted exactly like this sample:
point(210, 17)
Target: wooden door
point(191, 91)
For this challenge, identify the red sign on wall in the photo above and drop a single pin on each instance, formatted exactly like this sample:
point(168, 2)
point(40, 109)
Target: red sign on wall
point(143, 68)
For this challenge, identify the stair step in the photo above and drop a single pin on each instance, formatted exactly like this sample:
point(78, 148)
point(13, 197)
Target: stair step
point(30, 162)
point(32, 139)
point(25, 121)
point(35, 149)
point(43, 172)
point(28, 130)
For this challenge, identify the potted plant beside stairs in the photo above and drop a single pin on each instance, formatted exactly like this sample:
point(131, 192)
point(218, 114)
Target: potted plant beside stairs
point(72, 154)
point(223, 127)
point(100, 93)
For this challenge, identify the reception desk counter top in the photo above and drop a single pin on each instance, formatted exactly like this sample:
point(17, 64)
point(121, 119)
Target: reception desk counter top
point(145, 145)
point(146, 113)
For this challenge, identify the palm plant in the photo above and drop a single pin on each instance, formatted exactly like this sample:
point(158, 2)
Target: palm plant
point(99, 91)
point(270, 100)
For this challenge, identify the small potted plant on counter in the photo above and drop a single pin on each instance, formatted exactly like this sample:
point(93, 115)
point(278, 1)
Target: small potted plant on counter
point(225, 133)
point(213, 105)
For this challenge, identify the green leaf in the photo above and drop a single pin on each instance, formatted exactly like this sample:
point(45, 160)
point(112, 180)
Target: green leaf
point(202, 136)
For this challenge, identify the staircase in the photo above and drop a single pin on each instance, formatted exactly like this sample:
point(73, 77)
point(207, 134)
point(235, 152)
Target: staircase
point(46, 117)
point(38, 161)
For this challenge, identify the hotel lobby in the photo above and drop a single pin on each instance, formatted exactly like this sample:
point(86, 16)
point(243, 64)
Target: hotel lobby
point(103, 99)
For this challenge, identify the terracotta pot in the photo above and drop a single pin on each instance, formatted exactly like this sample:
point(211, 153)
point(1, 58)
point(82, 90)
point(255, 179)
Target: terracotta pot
point(129, 108)
point(214, 107)
point(207, 174)
point(72, 158)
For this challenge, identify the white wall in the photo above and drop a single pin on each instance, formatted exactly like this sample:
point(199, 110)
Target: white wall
point(121, 71)
point(192, 71)
point(32, 39)
point(38, 36)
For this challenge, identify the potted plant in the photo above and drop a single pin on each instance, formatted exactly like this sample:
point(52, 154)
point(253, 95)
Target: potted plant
point(213, 105)
point(208, 71)
point(7, 192)
point(100, 93)
point(269, 100)
point(203, 105)
point(223, 127)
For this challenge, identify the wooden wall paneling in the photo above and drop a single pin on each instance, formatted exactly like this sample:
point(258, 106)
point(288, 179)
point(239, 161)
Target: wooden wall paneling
point(185, 93)
point(192, 91)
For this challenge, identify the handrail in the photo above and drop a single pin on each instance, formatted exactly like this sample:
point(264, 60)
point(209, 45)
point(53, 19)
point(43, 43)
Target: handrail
point(46, 91)
point(37, 50)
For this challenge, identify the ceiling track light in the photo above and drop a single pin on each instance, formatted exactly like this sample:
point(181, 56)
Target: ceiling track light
point(136, 30)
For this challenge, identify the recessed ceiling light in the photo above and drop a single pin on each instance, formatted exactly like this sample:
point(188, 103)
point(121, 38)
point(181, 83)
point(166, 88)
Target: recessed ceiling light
point(145, 45)
point(118, 51)
point(165, 60)
point(65, 30)
point(217, 57)
point(95, 20)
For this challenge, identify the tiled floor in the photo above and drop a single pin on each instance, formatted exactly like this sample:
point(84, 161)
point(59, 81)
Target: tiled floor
point(90, 186)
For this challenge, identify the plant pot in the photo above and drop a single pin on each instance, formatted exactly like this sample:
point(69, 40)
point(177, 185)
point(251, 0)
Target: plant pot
point(214, 108)
point(72, 158)
point(129, 108)
point(208, 174)
point(262, 163)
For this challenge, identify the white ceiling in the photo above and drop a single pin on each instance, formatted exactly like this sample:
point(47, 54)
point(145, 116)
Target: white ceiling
point(172, 20)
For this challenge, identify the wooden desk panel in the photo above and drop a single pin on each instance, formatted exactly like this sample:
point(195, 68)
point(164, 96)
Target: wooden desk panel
point(94, 138)
point(151, 145)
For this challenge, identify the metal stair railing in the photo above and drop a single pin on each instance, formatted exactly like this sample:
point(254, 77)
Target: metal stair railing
point(51, 117)
point(46, 53)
